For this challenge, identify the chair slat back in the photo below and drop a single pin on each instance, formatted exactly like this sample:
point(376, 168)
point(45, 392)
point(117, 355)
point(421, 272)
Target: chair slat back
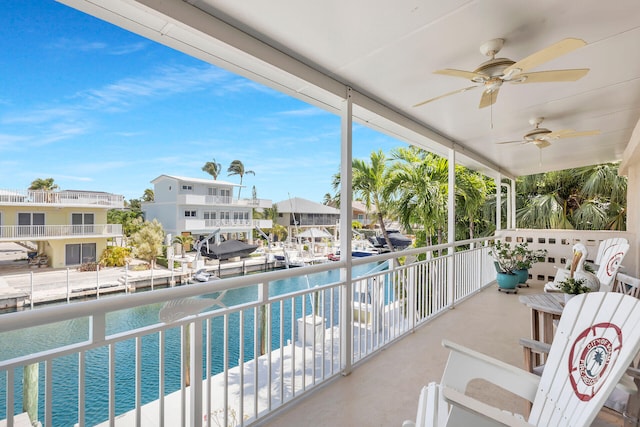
point(606, 244)
point(597, 338)
point(610, 263)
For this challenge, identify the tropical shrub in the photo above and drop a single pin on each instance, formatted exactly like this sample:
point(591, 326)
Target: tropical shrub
point(115, 256)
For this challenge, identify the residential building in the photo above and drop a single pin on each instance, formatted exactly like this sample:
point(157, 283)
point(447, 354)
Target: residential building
point(200, 206)
point(67, 228)
point(298, 213)
point(366, 217)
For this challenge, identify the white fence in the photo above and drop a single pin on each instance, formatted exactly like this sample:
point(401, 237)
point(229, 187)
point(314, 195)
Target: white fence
point(227, 351)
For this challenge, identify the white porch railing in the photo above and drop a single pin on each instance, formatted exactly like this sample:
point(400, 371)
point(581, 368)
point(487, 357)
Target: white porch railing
point(30, 232)
point(261, 341)
point(64, 198)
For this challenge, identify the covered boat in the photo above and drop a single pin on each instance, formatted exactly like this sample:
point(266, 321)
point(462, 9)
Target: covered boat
point(227, 249)
point(398, 240)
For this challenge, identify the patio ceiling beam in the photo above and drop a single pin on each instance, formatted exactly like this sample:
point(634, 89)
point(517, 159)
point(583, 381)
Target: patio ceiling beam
point(184, 27)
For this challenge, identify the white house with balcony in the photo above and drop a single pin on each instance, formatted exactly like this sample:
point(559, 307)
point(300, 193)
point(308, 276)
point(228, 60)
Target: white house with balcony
point(200, 206)
point(67, 227)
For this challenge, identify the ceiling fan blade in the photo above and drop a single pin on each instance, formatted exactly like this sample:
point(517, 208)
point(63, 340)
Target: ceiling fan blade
point(488, 98)
point(445, 95)
point(513, 142)
point(558, 133)
point(469, 75)
point(570, 133)
point(545, 55)
point(551, 76)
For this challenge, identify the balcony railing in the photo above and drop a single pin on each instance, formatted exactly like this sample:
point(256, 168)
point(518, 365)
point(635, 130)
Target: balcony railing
point(262, 341)
point(61, 198)
point(13, 232)
point(207, 200)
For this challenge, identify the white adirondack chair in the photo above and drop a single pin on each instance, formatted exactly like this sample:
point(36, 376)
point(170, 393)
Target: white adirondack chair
point(605, 245)
point(597, 338)
point(629, 285)
point(609, 260)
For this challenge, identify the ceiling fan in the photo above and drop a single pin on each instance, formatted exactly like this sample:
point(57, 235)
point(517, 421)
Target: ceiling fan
point(541, 137)
point(492, 73)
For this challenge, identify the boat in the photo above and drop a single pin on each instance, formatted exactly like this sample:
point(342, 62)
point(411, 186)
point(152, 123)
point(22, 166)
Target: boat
point(398, 240)
point(203, 275)
point(227, 249)
point(360, 249)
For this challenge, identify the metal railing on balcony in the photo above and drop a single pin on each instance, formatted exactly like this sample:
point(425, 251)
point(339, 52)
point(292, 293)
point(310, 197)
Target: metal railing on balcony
point(227, 351)
point(12, 232)
point(64, 198)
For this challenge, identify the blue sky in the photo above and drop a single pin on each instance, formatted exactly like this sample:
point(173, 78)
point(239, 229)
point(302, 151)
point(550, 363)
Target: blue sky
point(98, 108)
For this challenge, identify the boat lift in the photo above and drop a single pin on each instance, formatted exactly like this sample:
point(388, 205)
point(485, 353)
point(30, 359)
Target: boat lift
point(198, 247)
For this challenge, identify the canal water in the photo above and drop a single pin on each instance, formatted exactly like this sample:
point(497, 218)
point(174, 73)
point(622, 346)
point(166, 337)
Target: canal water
point(65, 369)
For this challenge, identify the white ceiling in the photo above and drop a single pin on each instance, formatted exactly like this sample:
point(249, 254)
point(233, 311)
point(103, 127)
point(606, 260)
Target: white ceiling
point(387, 52)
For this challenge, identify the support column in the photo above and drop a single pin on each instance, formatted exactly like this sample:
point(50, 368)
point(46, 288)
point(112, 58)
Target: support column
point(451, 227)
point(513, 203)
point(346, 215)
point(498, 181)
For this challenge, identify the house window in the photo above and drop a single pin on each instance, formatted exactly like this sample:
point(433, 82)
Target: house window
point(82, 223)
point(30, 223)
point(191, 214)
point(210, 215)
point(213, 191)
point(187, 188)
point(79, 253)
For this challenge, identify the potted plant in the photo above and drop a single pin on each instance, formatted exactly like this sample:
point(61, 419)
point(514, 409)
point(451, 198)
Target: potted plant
point(572, 287)
point(525, 258)
point(505, 262)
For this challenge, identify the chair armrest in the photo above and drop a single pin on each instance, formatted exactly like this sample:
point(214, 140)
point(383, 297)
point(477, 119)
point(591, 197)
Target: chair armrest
point(531, 347)
point(536, 346)
point(465, 365)
point(478, 409)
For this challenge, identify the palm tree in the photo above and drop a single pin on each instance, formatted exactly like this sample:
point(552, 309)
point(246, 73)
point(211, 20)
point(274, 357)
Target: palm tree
point(237, 168)
point(212, 168)
point(471, 195)
point(183, 240)
point(43, 184)
point(419, 180)
point(148, 195)
point(588, 198)
point(369, 185)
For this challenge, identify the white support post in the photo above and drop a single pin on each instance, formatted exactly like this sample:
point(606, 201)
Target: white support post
point(195, 401)
point(498, 202)
point(68, 285)
point(346, 214)
point(513, 203)
point(31, 281)
point(451, 227)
